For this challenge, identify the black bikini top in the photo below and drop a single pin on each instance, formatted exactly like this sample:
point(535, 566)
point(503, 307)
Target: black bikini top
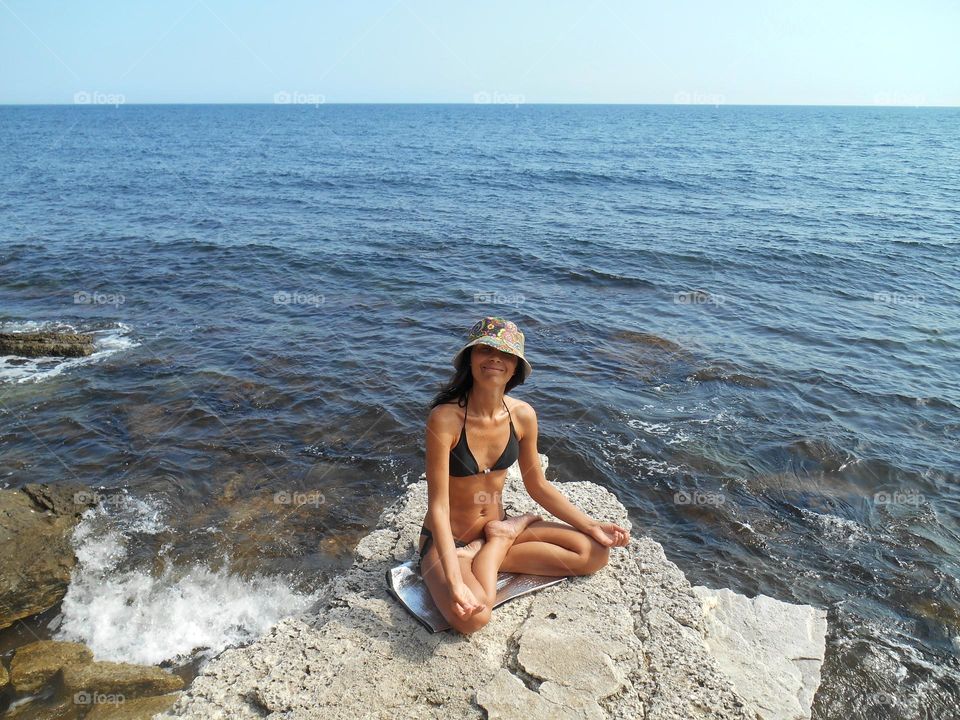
point(462, 462)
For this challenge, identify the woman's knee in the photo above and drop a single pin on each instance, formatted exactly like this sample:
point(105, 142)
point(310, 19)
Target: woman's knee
point(470, 625)
point(596, 557)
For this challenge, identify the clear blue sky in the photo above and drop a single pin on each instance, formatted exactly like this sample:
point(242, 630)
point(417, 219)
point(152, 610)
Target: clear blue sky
point(859, 52)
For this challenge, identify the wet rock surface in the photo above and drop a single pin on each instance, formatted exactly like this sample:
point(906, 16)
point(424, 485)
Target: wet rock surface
point(36, 557)
point(36, 664)
point(46, 344)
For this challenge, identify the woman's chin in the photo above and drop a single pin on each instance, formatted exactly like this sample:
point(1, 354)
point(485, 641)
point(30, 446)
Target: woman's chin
point(490, 382)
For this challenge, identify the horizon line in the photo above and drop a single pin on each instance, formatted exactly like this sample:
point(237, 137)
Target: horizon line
point(507, 104)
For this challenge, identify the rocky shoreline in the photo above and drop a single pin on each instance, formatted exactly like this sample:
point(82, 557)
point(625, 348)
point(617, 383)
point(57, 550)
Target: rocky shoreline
point(51, 679)
point(634, 640)
point(36, 558)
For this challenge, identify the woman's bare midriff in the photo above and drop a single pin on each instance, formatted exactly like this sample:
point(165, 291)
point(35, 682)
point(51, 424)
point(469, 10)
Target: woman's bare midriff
point(475, 500)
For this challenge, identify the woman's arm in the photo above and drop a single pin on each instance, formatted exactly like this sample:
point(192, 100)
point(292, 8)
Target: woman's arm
point(439, 439)
point(551, 499)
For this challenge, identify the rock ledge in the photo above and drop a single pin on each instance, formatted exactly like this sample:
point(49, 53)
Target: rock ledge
point(626, 642)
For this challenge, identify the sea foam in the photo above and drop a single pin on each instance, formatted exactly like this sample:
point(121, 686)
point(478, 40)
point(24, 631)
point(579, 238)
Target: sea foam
point(107, 342)
point(133, 615)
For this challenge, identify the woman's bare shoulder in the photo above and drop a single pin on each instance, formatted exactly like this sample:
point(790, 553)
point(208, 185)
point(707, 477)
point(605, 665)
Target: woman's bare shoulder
point(444, 413)
point(513, 402)
point(521, 410)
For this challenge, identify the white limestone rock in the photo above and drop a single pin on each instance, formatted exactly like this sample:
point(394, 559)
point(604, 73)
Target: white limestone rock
point(772, 651)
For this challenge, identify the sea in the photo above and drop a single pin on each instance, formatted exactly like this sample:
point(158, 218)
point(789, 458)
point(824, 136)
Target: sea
point(743, 321)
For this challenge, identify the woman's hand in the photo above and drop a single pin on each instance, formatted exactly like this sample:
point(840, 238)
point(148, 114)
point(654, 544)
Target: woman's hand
point(608, 534)
point(464, 601)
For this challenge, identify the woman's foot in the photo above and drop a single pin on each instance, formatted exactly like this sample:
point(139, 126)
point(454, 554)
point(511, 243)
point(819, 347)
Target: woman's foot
point(509, 528)
point(470, 549)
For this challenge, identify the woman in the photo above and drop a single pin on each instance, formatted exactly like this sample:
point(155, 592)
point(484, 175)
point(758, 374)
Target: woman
point(466, 537)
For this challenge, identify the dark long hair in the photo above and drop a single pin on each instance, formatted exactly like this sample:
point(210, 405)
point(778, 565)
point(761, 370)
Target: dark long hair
point(456, 388)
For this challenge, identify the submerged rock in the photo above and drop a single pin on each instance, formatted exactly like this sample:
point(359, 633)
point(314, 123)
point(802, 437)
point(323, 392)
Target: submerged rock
point(713, 372)
point(36, 558)
point(62, 680)
point(46, 344)
point(629, 641)
point(34, 665)
point(43, 710)
point(643, 339)
point(139, 709)
point(113, 678)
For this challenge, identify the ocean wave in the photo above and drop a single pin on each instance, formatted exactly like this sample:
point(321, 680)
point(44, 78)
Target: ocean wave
point(134, 615)
point(834, 527)
point(302, 183)
point(601, 277)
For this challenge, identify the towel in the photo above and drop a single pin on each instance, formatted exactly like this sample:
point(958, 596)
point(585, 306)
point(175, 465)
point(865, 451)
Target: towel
point(406, 585)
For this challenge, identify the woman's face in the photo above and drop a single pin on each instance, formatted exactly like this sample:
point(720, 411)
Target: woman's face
point(490, 365)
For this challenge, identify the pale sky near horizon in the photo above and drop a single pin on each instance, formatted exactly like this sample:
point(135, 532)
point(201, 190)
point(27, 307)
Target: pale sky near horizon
point(853, 52)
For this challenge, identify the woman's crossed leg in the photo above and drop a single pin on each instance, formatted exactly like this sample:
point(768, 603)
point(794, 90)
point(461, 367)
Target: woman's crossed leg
point(524, 544)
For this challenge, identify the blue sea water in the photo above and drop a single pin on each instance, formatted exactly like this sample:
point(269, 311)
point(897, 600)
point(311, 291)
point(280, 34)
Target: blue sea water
point(742, 320)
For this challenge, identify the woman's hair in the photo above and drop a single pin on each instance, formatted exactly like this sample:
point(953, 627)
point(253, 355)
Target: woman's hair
point(456, 388)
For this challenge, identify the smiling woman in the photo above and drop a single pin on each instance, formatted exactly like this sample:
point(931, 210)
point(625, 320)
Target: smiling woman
point(467, 537)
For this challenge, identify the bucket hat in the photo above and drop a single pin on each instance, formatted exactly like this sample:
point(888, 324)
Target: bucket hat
point(499, 333)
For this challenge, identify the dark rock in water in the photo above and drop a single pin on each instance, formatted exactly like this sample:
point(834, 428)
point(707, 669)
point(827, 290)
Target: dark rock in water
point(648, 339)
point(46, 344)
point(716, 373)
point(645, 356)
point(36, 558)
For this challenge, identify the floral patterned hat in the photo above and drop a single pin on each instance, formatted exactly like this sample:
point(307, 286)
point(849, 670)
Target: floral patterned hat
point(501, 334)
